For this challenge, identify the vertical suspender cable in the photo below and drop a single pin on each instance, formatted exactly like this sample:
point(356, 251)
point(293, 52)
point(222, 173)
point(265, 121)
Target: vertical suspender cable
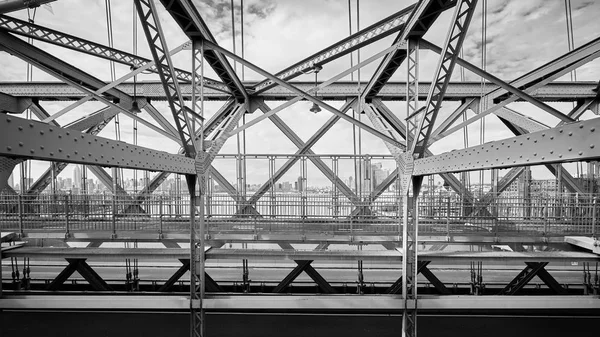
point(243, 78)
point(109, 30)
point(25, 165)
point(483, 102)
point(571, 46)
point(355, 159)
point(360, 172)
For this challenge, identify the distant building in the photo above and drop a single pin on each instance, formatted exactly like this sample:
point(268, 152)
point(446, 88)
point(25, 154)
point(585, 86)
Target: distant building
point(76, 177)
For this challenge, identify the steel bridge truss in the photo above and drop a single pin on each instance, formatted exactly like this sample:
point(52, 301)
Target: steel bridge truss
point(413, 221)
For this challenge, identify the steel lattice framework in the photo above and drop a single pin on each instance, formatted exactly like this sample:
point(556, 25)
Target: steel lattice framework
point(353, 216)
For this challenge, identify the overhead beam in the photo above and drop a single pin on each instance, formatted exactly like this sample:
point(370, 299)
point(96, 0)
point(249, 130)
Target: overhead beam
point(157, 43)
point(11, 104)
point(521, 94)
point(443, 72)
point(421, 19)
point(366, 36)
point(338, 91)
point(187, 17)
point(44, 34)
point(304, 95)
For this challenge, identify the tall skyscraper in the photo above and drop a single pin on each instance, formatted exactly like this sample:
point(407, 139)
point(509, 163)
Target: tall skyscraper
point(77, 177)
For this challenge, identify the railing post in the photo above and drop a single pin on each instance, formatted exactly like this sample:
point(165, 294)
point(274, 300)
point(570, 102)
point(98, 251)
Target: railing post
point(114, 216)
point(160, 216)
point(67, 216)
point(594, 209)
point(20, 201)
point(448, 220)
point(546, 217)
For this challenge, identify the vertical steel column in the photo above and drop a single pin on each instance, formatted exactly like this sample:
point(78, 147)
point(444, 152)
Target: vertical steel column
point(197, 228)
point(495, 203)
point(334, 188)
point(273, 209)
point(114, 203)
point(367, 177)
point(409, 228)
point(303, 182)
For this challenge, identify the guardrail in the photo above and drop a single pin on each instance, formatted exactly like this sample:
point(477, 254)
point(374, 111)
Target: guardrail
point(444, 214)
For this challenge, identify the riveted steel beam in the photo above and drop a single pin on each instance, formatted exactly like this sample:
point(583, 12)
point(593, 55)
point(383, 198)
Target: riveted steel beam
point(35, 140)
point(570, 142)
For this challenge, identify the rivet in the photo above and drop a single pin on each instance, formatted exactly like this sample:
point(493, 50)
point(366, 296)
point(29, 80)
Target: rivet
point(41, 147)
point(527, 137)
point(580, 153)
point(543, 158)
point(68, 156)
point(75, 152)
point(51, 129)
point(560, 131)
point(30, 125)
point(9, 148)
point(32, 150)
point(570, 149)
point(75, 139)
point(543, 135)
point(68, 133)
point(20, 128)
point(59, 136)
point(52, 153)
point(59, 150)
point(551, 137)
point(592, 129)
point(41, 132)
point(592, 146)
point(581, 126)
point(20, 143)
point(82, 136)
point(9, 120)
point(535, 154)
point(551, 152)
point(560, 156)
point(570, 134)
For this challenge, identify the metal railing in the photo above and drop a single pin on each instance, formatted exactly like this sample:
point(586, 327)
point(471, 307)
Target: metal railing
point(442, 214)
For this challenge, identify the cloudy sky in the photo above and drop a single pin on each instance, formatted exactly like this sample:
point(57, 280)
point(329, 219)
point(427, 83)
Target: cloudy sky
point(521, 35)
